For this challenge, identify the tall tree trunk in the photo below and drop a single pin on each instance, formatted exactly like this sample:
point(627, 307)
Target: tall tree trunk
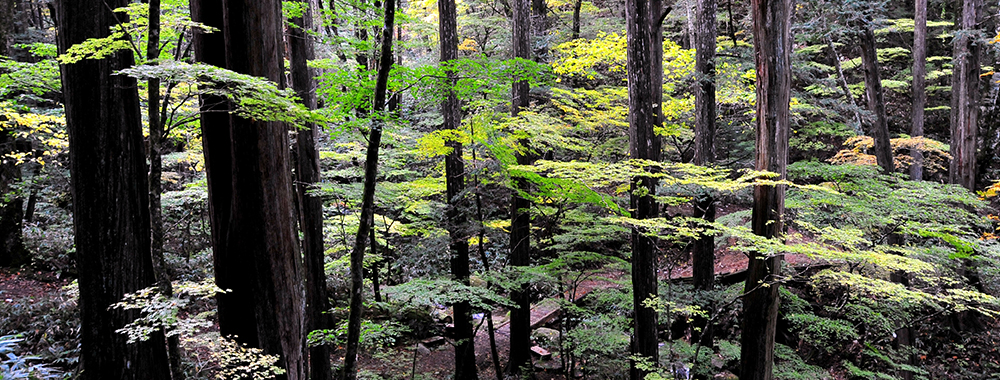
point(156, 135)
point(254, 241)
point(110, 197)
point(772, 44)
point(965, 99)
point(703, 255)
point(310, 206)
point(919, 84)
point(368, 196)
point(465, 353)
point(876, 101)
point(643, 144)
point(520, 231)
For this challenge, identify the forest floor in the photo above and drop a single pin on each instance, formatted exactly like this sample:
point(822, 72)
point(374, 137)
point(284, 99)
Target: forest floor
point(16, 284)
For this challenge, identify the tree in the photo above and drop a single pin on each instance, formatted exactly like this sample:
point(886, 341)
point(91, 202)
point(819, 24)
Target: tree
point(465, 353)
point(876, 100)
point(250, 193)
point(367, 219)
point(520, 231)
point(919, 83)
point(965, 98)
point(110, 208)
point(12, 251)
point(156, 135)
point(643, 144)
point(703, 254)
point(310, 206)
point(772, 46)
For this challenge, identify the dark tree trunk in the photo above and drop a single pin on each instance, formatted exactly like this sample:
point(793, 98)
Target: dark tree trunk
point(576, 19)
point(12, 252)
point(465, 353)
point(8, 15)
point(156, 135)
point(919, 84)
point(310, 207)
point(643, 144)
point(772, 44)
point(965, 98)
point(703, 256)
point(368, 197)
point(520, 232)
point(876, 101)
point(255, 248)
point(539, 24)
point(843, 83)
point(110, 198)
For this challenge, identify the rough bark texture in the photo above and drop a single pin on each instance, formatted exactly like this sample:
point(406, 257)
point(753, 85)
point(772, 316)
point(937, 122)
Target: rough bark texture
point(110, 198)
point(465, 354)
point(643, 144)
point(576, 19)
point(520, 232)
point(310, 207)
point(368, 197)
point(255, 248)
point(965, 99)
point(703, 257)
point(919, 83)
point(772, 45)
point(876, 101)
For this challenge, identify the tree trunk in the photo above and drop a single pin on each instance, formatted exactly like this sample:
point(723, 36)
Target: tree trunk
point(368, 197)
point(919, 84)
point(520, 231)
point(703, 255)
point(12, 252)
point(539, 24)
point(310, 207)
point(965, 99)
point(876, 101)
point(156, 135)
point(254, 241)
point(576, 19)
point(772, 44)
point(643, 144)
point(110, 197)
point(465, 353)
point(843, 85)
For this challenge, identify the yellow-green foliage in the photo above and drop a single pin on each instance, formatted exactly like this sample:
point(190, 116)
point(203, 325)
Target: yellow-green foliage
point(859, 152)
point(238, 361)
point(48, 132)
point(605, 57)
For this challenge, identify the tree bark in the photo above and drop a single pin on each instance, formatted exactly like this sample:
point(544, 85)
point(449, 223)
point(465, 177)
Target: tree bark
point(255, 248)
point(307, 172)
point(772, 45)
point(368, 196)
point(876, 101)
point(703, 252)
point(919, 84)
point(703, 257)
point(965, 98)
point(110, 197)
point(465, 353)
point(520, 231)
point(643, 144)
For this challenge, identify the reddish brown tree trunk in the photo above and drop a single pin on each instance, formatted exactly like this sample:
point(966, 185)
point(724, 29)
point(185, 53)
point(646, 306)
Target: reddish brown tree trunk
point(643, 144)
point(772, 44)
point(110, 197)
point(965, 99)
point(310, 207)
point(919, 84)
